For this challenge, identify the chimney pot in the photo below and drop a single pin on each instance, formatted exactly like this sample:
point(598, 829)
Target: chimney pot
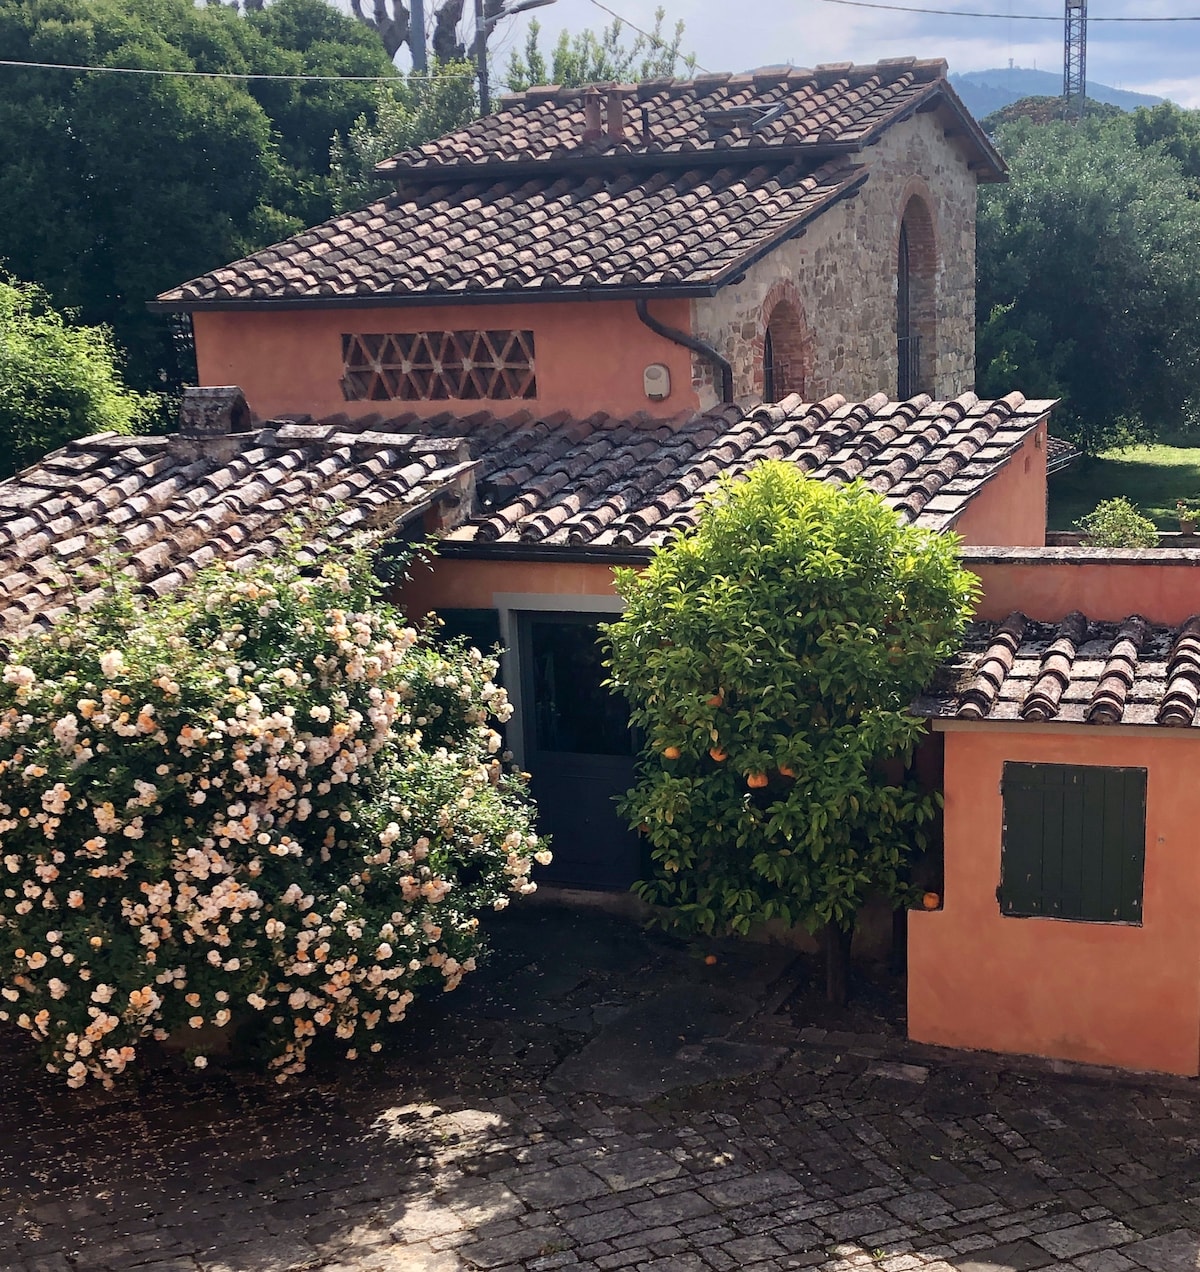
point(616, 115)
point(209, 421)
point(593, 129)
point(214, 411)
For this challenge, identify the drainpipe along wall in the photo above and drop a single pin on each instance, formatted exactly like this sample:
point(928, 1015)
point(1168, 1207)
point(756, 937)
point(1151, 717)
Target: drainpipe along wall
point(704, 349)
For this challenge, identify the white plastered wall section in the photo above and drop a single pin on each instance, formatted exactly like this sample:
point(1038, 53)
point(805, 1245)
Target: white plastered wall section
point(844, 270)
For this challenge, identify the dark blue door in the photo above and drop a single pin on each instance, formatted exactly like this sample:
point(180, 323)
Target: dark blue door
point(579, 750)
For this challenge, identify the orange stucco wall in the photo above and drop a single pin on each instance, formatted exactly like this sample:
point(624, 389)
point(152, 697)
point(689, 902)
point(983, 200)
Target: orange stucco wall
point(1096, 992)
point(1010, 510)
point(588, 356)
point(1050, 584)
point(464, 584)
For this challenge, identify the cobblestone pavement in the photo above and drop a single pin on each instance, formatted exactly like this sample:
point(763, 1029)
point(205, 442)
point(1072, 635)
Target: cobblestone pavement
point(468, 1148)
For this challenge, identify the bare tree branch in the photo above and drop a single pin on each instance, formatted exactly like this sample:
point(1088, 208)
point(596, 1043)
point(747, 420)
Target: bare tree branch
point(447, 47)
point(391, 27)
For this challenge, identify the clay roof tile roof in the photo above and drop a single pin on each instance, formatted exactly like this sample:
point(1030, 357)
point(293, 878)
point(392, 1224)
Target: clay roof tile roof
point(1073, 671)
point(608, 234)
point(172, 505)
point(704, 176)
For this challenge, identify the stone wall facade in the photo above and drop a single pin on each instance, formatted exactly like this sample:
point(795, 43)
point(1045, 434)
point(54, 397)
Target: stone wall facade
point(834, 288)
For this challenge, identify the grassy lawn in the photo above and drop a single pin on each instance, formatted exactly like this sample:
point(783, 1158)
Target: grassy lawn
point(1152, 477)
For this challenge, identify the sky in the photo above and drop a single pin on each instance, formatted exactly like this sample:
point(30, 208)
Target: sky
point(1159, 58)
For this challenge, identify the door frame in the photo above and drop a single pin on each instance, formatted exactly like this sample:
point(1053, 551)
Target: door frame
point(510, 606)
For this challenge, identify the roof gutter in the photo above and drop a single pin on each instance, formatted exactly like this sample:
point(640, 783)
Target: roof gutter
point(428, 300)
point(499, 550)
point(695, 344)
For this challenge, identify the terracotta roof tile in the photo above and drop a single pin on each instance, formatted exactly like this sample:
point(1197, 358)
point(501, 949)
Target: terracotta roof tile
point(633, 483)
point(472, 238)
point(719, 115)
point(173, 505)
point(1072, 672)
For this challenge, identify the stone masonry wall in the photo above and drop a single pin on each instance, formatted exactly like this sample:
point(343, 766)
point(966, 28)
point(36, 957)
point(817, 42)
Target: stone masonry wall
point(841, 275)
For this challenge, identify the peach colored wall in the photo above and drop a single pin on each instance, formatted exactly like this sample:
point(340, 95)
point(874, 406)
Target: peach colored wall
point(1164, 590)
point(464, 584)
point(1010, 510)
point(1101, 993)
point(589, 356)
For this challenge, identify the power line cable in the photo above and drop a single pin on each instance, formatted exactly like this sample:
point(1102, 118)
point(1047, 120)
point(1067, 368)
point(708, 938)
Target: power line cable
point(229, 75)
point(1014, 17)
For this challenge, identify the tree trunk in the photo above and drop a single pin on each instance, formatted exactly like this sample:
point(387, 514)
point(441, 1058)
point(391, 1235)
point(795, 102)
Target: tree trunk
point(837, 962)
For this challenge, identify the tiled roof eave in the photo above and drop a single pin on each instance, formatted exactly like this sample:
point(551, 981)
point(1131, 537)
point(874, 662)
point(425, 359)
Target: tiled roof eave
point(949, 521)
point(572, 163)
point(171, 302)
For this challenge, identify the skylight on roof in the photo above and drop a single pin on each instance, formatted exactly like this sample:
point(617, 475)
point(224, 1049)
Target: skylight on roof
point(751, 116)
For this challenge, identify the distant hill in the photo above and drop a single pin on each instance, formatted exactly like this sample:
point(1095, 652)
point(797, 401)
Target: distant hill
point(985, 92)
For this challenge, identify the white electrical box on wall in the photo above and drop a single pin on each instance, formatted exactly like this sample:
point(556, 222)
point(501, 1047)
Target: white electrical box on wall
point(656, 380)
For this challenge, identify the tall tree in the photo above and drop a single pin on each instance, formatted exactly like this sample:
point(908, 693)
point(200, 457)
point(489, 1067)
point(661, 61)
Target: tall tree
point(119, 186)
point(58, 380)
point(1089, 283)
point(591, 57)
point(403, 115)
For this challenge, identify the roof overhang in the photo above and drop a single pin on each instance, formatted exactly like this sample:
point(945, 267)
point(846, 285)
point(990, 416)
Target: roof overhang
point(1043, 728)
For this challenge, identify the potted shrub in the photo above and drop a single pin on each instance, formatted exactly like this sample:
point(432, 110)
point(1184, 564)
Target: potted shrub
point(1117, 523)
point(1186, 510)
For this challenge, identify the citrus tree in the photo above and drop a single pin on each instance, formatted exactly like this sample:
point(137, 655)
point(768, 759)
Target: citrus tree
point(266, 802)
point(769, 656)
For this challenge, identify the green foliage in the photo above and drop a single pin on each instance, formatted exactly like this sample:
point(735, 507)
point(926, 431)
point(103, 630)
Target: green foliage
point(262, 801)
point(117, 187)
point(1116, 523)
point(1045, 110)
point(603, 58)
point(413, 110)
point(1089, 285)
point(782, 641)
point(57, 381)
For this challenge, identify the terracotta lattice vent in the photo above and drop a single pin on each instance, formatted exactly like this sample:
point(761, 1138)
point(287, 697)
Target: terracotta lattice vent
point(424, 366)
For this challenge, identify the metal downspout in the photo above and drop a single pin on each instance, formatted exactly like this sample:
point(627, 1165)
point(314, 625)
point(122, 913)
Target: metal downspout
point(693, 343)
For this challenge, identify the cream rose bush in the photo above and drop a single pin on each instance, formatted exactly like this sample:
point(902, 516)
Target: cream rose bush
point(264, 801)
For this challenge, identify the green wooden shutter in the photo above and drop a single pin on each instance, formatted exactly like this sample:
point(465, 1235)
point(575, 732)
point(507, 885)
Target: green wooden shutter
point(1074, 842)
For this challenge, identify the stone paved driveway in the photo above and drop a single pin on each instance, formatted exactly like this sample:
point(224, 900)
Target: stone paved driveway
point(745, 1143)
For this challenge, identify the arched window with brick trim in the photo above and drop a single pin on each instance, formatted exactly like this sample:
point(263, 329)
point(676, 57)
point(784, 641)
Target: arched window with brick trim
point(916, 302)
point(785, 353)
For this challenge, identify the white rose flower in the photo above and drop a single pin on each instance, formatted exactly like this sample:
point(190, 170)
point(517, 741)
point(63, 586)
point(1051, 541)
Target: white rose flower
point(112, 663)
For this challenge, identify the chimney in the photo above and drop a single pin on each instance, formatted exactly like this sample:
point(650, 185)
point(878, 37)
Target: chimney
point(616, 114)
point(592, 128)
point(208, 420)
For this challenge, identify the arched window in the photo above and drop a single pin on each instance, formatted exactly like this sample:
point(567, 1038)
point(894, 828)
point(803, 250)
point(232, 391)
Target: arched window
point(785, 353)
point(916, 309)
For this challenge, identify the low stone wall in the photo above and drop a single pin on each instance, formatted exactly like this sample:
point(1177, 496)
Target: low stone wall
point(1166, 539)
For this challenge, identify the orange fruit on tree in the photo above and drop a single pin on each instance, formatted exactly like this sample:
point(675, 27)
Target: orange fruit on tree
point(756, 781)
point(672, 752)
point(710, 959)
point(931, 901)
point(717, 753)
point(786, 771)
point(717, 699)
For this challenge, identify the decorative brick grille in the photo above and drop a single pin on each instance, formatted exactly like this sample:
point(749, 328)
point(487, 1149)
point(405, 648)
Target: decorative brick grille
point(424, 366)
